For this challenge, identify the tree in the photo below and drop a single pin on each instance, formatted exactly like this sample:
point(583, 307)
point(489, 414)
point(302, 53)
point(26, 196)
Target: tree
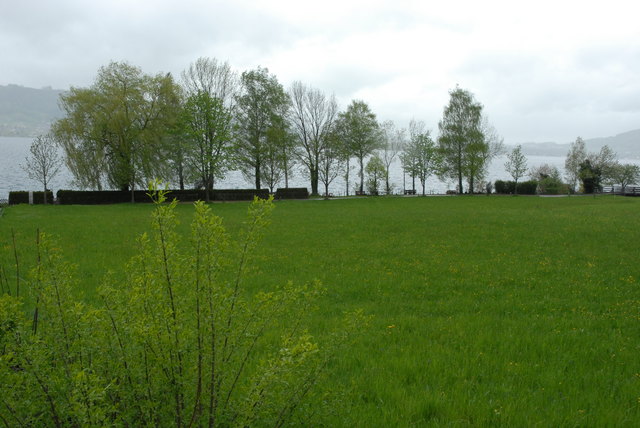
point(625, 174)
point(331, 161)
point(359, 130)
point(206, 127)
point(279, 151)
point(426, 158)
point(375, 173)
point(312, 117)
point(461, 139)
point(597, 168)
point(549, 180)
point(262, 100)
point(116, 129)
point(44, 161)
point(479, 155)
point(392, 144)
point(516, 165)
point(408, 157)
point(207, 120)
point(577, 154)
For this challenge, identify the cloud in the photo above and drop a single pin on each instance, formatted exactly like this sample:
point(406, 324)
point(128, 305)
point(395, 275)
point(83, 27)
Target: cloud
point(543, 70)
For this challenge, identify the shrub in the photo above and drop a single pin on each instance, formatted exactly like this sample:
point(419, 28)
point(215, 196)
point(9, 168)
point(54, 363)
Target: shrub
point(22, 197)
point(175, 344)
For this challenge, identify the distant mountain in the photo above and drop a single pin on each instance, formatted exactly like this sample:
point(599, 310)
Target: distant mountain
point(27, 112)
point(626, 146)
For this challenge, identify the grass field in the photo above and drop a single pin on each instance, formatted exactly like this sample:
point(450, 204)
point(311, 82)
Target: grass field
point(513, 311)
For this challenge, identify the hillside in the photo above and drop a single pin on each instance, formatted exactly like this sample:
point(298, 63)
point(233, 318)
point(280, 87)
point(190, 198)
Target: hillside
point(26, 112)
point(626, 146)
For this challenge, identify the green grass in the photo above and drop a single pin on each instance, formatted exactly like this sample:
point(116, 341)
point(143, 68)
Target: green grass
point(513, 311)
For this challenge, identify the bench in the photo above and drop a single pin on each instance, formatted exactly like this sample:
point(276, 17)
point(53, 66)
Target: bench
point(409, 192)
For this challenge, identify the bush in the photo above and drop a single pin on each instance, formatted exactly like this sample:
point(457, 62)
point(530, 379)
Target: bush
point(22, 197)
point(175, 344)
point(292, 193)
point(552, 186)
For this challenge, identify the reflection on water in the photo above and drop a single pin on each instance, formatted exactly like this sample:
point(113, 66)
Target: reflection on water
point(14, 150)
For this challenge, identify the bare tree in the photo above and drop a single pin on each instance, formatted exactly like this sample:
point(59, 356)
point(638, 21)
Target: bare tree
point(392, 144)
point(207, 75)
point(44, 161)
point(312, 117)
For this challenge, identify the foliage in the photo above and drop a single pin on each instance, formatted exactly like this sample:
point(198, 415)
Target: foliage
point(625, 174)
point(375, 173)
point(178, 343)
point(205, 126)
point(577, 154)
point(259, 107)
point(461, 139)
point(116, 130)
point(44, 161)
point(421, 158)
point(516, 166)
point(359, 130)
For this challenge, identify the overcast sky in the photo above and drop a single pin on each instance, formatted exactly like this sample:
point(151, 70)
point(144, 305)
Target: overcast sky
point(544, 70)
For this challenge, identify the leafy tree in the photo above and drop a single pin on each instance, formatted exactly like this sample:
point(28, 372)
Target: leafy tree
point(116, 129)
point(577, 154)
point(312, 116)
point(206, 127)
point(516, 165)
point(426, 158)
point(597, 168)
point(259, 106)
point(359, 130)
point(462, 139)
point(44, 161)
point(279, 152)
point(625, 174)
point(375, 173)
point(207, 120)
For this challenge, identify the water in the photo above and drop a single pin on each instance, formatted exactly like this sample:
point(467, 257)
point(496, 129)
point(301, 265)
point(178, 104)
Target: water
point(13, 151)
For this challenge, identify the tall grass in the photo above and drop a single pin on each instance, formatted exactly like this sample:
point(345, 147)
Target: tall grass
point(486, 310)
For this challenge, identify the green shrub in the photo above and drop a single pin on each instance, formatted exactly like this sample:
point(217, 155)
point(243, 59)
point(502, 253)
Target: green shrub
point(180, 342)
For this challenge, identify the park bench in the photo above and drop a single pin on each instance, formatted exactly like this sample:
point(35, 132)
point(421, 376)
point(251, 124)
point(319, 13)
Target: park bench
point(409, 192)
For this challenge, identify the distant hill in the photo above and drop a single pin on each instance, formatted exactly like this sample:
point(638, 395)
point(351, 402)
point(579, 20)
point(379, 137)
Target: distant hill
point(27, 112)
point(626, 146)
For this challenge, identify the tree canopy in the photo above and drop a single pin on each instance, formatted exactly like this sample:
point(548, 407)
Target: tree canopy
point(115, 130)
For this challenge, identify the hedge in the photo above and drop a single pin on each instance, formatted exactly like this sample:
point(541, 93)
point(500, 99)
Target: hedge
point(96, 197)
point(292, 193)
point(22, 197)
point(508, 187)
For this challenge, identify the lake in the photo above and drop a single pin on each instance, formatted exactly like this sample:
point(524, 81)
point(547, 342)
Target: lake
point(13, 151)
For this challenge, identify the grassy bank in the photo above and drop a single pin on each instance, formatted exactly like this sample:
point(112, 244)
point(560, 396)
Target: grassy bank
point(486, 310)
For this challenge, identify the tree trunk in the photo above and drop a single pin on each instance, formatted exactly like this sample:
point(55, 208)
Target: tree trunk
point(361, 174)
point(313, 172)
point(347, 179)
point(258, 183)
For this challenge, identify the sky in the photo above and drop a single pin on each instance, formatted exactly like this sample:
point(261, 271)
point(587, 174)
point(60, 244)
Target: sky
point(544, 70)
